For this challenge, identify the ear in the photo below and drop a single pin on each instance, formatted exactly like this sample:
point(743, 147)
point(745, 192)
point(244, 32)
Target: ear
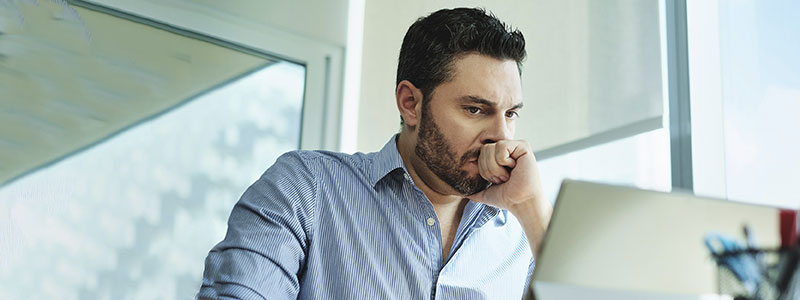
point(409, 102)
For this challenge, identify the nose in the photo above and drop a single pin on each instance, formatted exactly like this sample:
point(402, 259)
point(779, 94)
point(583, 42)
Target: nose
point(498, 129)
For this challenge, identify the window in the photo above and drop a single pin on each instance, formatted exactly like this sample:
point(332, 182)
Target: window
point(641, 161)
point(745, 78)
point(135, 216)
point(197, 105)
point(623, 139)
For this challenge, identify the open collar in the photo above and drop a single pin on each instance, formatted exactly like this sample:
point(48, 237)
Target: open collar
point(386, 161)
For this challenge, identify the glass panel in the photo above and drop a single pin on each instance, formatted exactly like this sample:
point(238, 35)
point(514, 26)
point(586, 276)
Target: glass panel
point(641, 161)
point(70, 76)
point(760, 71)
point(745, 75)
point(134, 216)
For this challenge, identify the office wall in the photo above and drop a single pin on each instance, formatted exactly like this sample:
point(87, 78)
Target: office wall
point(592, 68)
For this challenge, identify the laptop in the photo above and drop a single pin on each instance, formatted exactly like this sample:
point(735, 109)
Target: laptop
point(613, 242)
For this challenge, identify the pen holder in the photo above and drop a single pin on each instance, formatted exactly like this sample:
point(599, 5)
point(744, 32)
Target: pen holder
point(759, 274)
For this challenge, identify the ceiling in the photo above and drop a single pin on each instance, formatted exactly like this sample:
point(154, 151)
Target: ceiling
point(70, 77)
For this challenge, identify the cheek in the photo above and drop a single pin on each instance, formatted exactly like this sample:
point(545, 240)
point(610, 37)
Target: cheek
point(463, 136)
point(469, 140)
point(461, 133)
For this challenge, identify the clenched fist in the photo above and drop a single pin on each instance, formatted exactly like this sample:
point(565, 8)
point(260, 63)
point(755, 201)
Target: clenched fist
point(512, 169)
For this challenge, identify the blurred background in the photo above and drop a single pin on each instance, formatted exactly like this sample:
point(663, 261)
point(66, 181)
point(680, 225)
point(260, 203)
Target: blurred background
point(129, 128)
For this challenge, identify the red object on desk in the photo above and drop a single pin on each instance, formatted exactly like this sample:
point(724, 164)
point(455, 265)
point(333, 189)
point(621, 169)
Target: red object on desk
point(788, 220)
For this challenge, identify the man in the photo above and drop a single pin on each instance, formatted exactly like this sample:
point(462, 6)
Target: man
point(450, 208)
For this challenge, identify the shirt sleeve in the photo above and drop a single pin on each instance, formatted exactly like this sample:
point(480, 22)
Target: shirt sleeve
point(269, 229)
point(531, 266)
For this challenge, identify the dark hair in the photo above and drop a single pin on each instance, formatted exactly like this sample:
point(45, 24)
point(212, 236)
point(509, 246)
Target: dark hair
point(433, 43)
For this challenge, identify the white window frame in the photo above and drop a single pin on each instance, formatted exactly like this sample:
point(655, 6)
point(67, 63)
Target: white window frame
point(708, 128)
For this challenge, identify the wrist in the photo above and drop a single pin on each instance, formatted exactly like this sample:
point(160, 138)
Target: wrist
point(531, 211)
point(534, 216)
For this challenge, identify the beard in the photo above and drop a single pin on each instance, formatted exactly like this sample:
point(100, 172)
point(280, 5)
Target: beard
point(438, 156)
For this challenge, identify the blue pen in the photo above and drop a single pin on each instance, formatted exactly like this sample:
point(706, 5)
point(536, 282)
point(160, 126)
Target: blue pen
point(751, 242)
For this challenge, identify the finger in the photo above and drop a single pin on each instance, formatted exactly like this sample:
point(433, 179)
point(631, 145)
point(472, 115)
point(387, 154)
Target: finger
point(518, 148)
point(503, 154)
point(503, 162)
point(486, 163)
point(483, 163)
point(494, 171)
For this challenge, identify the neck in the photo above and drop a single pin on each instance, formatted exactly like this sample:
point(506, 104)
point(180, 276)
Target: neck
point(438, 192)
point(447, 203)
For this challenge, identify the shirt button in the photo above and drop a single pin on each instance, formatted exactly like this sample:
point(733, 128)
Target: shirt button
point(406, 176)
point(431, 221)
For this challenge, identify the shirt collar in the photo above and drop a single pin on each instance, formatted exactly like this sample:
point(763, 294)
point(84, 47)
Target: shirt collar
point(386, 161)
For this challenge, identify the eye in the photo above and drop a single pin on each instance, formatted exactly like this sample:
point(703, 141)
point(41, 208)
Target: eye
point(472, 110)
point(512, 114)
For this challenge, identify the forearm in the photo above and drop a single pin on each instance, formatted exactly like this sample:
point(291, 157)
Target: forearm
point(534, 216)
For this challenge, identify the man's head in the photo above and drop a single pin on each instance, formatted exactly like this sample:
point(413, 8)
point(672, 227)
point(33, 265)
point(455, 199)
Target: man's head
point(458, 88)
point(433, 43)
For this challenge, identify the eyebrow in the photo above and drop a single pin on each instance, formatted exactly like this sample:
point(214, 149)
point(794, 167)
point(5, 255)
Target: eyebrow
point(479, 100)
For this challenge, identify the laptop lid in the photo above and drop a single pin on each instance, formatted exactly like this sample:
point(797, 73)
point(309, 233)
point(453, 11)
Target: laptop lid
point(630, 241)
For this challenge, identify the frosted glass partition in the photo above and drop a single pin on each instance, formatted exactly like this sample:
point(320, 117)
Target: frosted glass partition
point(134, 216)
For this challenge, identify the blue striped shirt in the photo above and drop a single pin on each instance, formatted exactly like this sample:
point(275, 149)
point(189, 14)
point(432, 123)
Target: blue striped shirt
point(325, 225)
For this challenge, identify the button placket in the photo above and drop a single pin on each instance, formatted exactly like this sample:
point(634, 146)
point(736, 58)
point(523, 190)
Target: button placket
point(433, 248)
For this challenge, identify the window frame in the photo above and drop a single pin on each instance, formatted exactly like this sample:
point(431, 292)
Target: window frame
point(324, 63)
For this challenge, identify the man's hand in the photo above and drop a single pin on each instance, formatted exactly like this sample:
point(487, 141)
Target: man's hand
point(511, 168)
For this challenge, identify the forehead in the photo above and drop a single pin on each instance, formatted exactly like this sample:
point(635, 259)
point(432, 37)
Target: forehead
point(485, 77)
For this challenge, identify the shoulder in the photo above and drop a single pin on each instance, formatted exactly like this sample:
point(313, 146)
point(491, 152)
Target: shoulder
point(318, 162)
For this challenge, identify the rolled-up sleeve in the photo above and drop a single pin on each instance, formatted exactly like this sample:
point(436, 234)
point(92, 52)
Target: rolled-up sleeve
point(268, 234)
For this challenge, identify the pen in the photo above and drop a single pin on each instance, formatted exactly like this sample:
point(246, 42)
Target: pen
point(751, 241)
point(759, 257)
point(748, 234)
